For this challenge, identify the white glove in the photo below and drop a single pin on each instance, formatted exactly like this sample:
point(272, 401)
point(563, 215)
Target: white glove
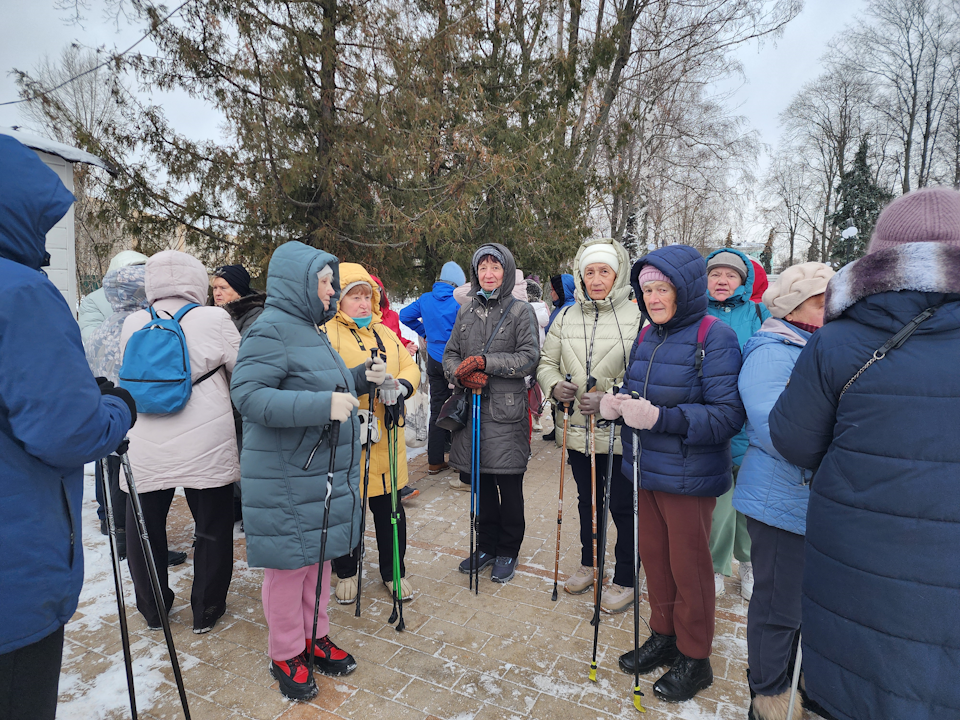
point(376, 370)
point(341, 405)
point(392, 390)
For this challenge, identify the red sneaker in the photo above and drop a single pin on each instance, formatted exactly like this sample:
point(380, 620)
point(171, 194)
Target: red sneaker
point(329, 659)
point(295, 678)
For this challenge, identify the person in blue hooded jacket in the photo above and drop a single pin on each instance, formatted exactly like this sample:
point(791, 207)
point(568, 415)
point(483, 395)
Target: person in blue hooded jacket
point(881, 577)
point(431, 316)
point(686, 413)
point(771, 492)
point(730, 280)
point(53, 419)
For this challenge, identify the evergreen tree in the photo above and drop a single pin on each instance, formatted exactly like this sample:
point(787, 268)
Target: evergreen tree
point(766, 255)
point(859, 205)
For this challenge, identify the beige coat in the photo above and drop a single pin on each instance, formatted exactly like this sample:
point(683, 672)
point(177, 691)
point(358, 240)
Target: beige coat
point(196, 447)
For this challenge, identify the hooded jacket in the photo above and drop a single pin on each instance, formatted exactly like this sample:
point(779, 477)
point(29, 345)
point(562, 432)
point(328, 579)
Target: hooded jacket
point(126, 291)
point(769, 488)
point(96, 307)
point(354, 345)
point(881, 581)
point(432, 316)
point(591, 337)
point(244, 310)
point(514, 353)
point(196, 447)
point(745, 316)
point(565, 288)
point(282, 384)
point(52, 416)
point(688, 451)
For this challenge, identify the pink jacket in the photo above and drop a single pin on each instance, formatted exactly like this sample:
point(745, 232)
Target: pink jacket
point(196, 447)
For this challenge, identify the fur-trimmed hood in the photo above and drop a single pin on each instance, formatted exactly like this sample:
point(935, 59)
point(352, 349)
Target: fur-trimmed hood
point(921, 267)
point(241, 306)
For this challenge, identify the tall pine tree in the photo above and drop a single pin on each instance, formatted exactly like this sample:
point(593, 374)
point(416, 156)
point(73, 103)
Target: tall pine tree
point(860, 203)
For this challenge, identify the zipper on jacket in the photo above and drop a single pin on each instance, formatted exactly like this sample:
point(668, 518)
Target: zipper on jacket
point(316, 447)
point(69, 513)
point(650, 364)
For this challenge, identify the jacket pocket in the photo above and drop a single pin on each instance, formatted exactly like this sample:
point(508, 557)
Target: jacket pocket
point(508, 407)
point(68, 513)
point(305, 454)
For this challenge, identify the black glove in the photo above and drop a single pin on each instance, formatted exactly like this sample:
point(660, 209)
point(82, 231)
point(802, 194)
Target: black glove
point(119, 392)
point(123, 447)
point(102, 383)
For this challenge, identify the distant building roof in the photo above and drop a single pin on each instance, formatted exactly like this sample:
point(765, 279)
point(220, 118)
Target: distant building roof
point(68, 153)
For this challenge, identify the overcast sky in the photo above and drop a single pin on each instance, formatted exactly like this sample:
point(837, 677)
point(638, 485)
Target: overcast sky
point(775, 72)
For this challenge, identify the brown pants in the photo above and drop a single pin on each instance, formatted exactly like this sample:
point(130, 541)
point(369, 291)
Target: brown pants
point(674, 538)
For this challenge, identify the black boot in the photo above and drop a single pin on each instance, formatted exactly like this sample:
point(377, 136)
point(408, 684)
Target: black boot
point(658, 650)
point(685, 679)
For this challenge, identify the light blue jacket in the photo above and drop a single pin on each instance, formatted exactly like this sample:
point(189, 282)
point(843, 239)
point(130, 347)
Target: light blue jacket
point(769, 488)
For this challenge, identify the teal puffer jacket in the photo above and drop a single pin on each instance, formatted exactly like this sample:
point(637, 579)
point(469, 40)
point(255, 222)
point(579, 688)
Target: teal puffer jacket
point(282, 383)
point(745, 317)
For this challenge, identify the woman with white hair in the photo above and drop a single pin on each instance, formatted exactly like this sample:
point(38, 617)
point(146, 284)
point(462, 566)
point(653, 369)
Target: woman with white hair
point(771, 492)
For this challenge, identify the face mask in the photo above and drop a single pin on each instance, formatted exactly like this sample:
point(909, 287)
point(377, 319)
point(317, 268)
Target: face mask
point(363, 322)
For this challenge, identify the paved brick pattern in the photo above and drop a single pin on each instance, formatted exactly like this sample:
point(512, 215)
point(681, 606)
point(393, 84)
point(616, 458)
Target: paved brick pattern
point(508, 652)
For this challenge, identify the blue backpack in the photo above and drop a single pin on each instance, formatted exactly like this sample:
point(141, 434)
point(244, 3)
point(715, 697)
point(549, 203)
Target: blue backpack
point(156, 365)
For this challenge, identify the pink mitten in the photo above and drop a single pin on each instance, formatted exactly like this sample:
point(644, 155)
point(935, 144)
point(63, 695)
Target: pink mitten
point(610, 406)
point(639, 414)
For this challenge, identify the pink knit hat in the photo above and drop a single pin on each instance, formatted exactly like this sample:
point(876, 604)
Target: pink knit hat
point(650, 274)
point(928, 215)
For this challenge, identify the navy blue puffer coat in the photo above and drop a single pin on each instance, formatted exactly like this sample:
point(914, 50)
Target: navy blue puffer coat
point(688, 451)
point(881, 582)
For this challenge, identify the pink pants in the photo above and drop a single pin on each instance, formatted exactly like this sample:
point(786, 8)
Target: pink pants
point(288, 602)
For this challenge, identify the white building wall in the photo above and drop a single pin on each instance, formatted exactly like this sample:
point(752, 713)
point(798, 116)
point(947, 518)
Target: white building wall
point(60, 240)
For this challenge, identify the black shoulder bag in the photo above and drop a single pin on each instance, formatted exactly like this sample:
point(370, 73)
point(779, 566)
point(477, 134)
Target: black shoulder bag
point(456, 410)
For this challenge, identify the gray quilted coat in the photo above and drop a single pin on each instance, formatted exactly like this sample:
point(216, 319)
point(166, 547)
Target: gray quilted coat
point(281, 385)
point(504, 428)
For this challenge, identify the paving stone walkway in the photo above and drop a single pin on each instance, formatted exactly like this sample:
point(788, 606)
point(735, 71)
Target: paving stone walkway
point(509, 652)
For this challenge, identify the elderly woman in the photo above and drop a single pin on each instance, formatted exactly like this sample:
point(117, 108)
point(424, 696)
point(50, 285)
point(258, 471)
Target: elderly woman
point(593, 337)
point(476, 360)
point(232, 292)
point(731, 277)
point(881, 605)
point(291, 386)
point(771, 492)
point(354, 331)
point(684, 370)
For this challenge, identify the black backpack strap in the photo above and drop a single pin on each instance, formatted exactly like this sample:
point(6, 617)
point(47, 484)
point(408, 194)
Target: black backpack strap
point(756, 307)
point(207, 375)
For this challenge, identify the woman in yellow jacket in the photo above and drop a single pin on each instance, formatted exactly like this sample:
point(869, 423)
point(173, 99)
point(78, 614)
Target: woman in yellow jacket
point(354, 331)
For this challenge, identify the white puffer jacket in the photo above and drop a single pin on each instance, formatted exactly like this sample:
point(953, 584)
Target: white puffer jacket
point(196, 447)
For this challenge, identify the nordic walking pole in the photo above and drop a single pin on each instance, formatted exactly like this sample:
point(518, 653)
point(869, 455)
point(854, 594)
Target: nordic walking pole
point(154, 580)
point(637, 703)
point(475, 489)
point(392, 434)
point(592, 443)
point(563, 466)
point(334, 438)
point(372, 395)
point(796, 676)
point(121, 606)
point(603, 541)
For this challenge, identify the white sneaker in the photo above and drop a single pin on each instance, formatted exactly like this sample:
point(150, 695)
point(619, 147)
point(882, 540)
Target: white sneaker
point(746, 580)
point(718, 584)
point(455, 484)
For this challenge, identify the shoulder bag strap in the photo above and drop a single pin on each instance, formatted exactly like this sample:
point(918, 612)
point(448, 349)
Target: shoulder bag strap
point(503, 317)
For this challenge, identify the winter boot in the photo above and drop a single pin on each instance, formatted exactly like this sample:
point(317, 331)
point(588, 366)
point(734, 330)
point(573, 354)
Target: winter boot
point(296, 680)
point(685, 679)
point(616, 599)
point(206, 622)
point(347, 590)
point(406, 589)
point(331, 660)
point(770, 707)
point(437, 469)
point(657, 651)
point(580, 581)
point(175, 557)
point(458, 484)
point(504, 568)
point(483, 559)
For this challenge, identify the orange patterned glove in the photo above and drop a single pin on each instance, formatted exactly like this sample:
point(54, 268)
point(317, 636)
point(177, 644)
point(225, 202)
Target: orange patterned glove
point(470, 365)
point(475, 380)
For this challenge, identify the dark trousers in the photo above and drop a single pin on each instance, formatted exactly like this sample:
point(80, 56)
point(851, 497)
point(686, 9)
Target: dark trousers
point(29, 679)
point(500, 522)
point(621, 508)
point(346, 566)
point(212, 510)
point(773, 620)
point(117, 496)
point(440, 391)
point(675, 547)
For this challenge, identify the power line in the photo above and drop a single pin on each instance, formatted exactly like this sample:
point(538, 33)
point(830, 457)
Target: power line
point(106, 62)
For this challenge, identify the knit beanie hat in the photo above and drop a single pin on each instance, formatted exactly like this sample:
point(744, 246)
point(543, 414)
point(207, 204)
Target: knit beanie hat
point(796, 284)
point(730, 260)
point(452, 274)
point(650, 274)
point(237, 277)
point(931, 214)
point(599, 253)
point(351, 286)
point(482, 252)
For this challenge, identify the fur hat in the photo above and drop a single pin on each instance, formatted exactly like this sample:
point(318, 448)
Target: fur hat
point(795, 285)
point(730, 260)
point(930, 214)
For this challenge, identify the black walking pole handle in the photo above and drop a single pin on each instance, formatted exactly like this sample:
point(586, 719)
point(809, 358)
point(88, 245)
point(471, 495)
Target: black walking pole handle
point(567, 406)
